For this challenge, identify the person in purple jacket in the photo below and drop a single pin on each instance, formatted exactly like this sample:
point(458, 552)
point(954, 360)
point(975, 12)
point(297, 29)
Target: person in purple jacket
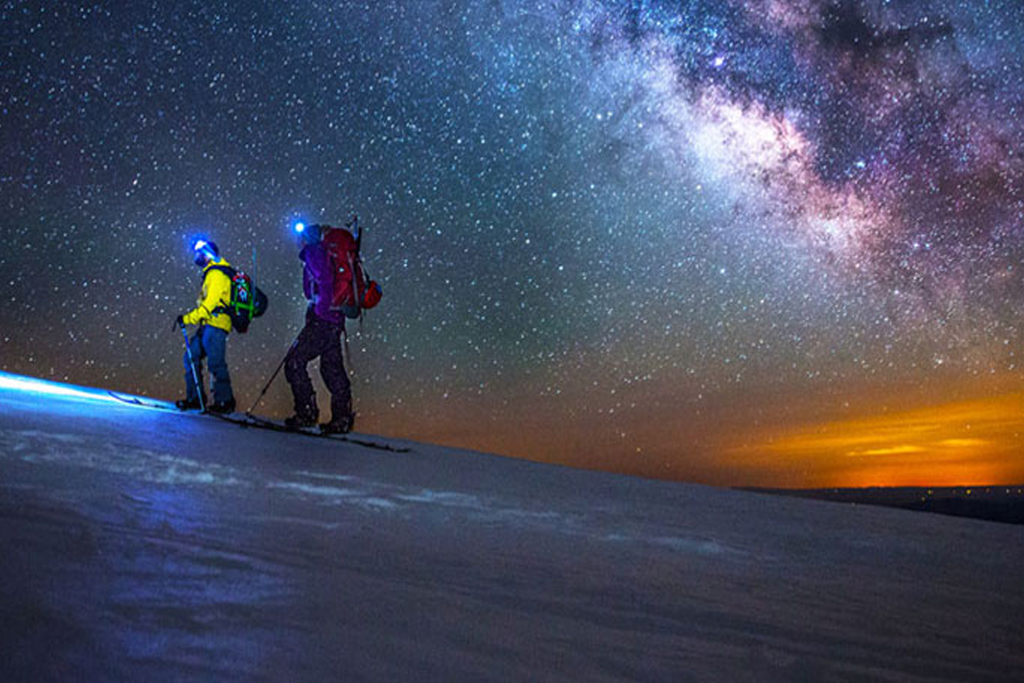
point(321, 337)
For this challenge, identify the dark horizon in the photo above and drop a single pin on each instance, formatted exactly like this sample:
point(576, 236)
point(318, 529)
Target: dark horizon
point(913, 487)
point(995, 503)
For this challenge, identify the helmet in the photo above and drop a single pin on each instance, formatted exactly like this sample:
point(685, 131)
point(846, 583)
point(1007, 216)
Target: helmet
point(205, 249)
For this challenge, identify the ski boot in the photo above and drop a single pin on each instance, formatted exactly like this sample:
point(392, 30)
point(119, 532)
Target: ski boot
point(222, 407)
point(189, 404)
point(341, 425)
point(299, 422)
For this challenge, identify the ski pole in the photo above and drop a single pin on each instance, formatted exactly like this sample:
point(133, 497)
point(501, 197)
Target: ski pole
point(195, 375)
point(272, 378)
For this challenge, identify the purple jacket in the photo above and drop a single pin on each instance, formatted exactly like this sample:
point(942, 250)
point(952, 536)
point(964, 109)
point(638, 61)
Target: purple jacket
point(318, 281)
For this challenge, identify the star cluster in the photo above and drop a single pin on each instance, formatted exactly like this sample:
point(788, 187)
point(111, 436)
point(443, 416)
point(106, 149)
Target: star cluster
point(644, 236)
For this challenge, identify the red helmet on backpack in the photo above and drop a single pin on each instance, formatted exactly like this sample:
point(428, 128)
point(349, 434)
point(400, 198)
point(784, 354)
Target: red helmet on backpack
point(373, 294)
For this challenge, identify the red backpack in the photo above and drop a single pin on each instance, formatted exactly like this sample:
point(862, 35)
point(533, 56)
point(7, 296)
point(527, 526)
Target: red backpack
point(353, 290)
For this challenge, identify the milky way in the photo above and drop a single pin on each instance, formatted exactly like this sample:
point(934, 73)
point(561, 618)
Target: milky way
point(637, 236)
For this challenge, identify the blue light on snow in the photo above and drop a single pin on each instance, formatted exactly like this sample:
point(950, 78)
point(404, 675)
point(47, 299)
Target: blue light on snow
point(36, 389)
point(41, 387)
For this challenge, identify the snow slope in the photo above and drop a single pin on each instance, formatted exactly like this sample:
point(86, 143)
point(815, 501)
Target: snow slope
point(143, 544)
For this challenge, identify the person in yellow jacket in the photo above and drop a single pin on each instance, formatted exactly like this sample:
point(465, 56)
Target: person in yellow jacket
point(211, 335)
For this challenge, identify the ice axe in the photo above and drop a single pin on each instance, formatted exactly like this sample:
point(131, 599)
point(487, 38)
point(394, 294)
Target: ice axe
point(353, 226)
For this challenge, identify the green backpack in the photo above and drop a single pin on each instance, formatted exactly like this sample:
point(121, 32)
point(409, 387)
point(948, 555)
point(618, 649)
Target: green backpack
point(247, 300)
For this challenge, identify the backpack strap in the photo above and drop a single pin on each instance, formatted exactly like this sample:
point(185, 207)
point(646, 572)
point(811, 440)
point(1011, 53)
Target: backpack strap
point(227, 270)
point(230, 272)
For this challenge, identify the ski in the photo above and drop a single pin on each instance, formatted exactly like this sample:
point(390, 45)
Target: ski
point(257, 422)
point(136, 401)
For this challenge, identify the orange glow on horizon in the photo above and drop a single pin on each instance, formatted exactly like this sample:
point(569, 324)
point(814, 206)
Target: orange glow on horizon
point(965, 443)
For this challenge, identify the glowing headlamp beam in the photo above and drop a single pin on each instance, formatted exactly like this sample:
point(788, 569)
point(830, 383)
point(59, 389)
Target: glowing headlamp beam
point(38, 387)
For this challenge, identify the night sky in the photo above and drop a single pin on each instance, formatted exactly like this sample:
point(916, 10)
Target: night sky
point(769, 243)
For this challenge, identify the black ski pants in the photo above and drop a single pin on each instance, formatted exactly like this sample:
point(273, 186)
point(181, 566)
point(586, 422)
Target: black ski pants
point(319, 338)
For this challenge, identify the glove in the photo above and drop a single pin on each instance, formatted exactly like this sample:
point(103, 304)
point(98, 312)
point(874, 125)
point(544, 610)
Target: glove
point(179, 323)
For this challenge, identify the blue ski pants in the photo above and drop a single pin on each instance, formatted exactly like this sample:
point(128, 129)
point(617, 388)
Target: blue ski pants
point(209, 343)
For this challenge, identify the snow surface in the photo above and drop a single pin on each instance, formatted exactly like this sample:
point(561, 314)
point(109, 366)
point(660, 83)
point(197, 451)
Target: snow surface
point(144, 544)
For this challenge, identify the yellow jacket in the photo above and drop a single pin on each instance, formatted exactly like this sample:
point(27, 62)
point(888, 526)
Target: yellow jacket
point(216, 292)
